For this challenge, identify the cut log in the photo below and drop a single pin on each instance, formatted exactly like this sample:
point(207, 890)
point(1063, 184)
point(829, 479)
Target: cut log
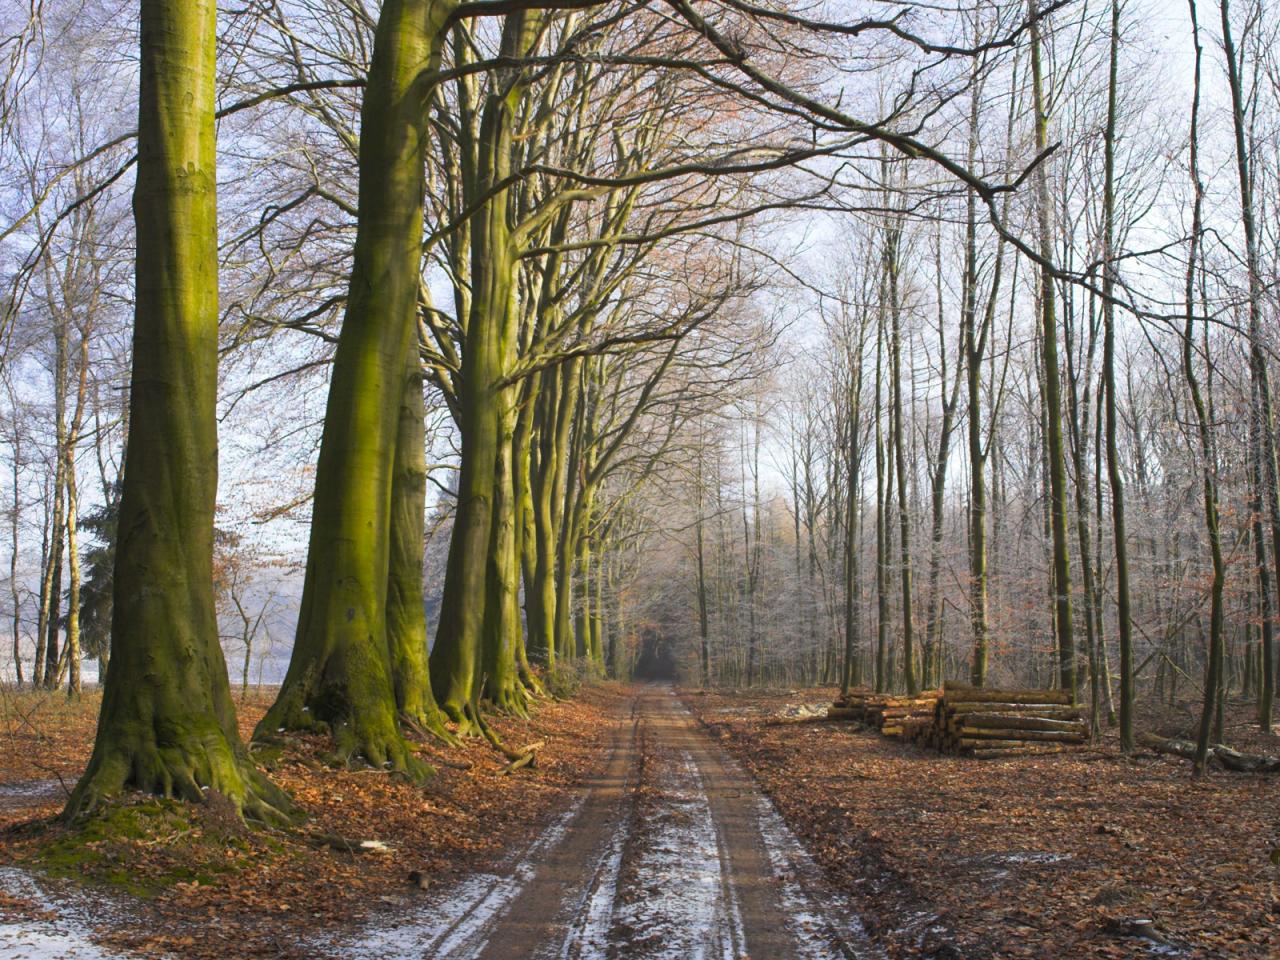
point(1245, 762)
point(1024, 750)
point(1006, 721)
point(979, 743)
point(972, 695)
point(1178, 748)
point(844, 713)
point(1055, 710)
point(1232, 760)
point(1046, 736)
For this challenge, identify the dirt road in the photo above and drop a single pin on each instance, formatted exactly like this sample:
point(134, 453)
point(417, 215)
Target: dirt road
point(671, 854)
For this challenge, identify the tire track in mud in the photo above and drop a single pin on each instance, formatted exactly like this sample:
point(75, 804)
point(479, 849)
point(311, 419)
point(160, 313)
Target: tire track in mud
point(671, 854)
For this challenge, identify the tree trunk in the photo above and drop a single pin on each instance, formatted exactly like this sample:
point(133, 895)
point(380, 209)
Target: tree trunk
point(406, 617)
point(1114, 477)
point(1208, 467)
point(168, 724)
point(1063, 627)
point(479, 611)
point(339, 677)
point(1260, 409)
point(892, 249)
point(15, 516)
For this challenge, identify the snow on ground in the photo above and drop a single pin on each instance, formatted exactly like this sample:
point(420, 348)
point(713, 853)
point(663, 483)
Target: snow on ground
point(814, 926)
point(590, 916)
point(454, 923)
point(64, 934)
point(681, 906)
point(26, 793)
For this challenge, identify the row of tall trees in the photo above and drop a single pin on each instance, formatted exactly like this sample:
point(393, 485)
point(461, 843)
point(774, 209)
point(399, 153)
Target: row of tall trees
point(584, 219)
point(574, 240)
point(1092, 389)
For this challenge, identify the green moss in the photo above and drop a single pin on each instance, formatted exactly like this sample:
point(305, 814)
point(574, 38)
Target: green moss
point(143, 848)
point(266, 755)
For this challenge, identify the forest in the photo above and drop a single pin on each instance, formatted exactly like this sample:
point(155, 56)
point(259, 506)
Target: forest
point(820, 454)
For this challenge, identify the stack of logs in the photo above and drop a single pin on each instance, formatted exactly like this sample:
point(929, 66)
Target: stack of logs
point(891, 715)
point(974, 721)
point(986, 722)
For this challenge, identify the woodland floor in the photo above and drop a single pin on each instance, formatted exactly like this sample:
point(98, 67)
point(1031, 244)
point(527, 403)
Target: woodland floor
point(206, 888)
point(1051, 856)
point(646, 834)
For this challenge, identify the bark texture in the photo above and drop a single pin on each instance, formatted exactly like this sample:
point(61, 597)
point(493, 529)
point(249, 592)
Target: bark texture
point(168, 724)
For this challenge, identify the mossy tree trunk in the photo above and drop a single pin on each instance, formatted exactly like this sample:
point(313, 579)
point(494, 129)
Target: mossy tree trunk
point(406, 616)
point(168, 724)
point(502, 631)
point(340, 675)
point(526, 533)
point(479, 612)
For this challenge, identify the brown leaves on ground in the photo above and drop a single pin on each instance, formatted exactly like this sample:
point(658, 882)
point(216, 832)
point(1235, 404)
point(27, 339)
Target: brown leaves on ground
point(1090, 855)
point(214, 889)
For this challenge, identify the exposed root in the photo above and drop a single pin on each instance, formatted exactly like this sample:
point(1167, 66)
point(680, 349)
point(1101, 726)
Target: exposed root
point(428, 727)
point(496, 741)
point(533, 686)
point(370, 734)
point(380, 749)
point(183, 773)
point(460, 717)
point(512, 700)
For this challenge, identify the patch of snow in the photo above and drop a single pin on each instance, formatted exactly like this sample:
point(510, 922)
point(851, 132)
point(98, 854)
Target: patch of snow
point(63, 935)
point(587, 936)
point(41, 941)
point(832, 928)
point(802, 711)
point(455, 923)
point(683, 909)
point(30, 790)
point(1033, 857)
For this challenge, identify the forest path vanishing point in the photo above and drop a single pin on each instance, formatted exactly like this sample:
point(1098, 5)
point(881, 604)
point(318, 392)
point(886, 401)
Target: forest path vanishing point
point(672, 852)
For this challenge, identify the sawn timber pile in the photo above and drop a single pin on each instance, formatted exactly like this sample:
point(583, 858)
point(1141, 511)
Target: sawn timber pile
point(970, 720)
point(891, 715)
point(985, 722)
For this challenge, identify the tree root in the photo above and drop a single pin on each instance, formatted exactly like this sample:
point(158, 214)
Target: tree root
point(370, 735)
point(183, 773)
point(460, 717)
point(513, 700)
point(533, 686)
point(428, 727)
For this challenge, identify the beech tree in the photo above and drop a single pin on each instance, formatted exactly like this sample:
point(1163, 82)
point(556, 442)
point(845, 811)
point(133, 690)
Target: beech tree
point(168, 723)
point(340, 676)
